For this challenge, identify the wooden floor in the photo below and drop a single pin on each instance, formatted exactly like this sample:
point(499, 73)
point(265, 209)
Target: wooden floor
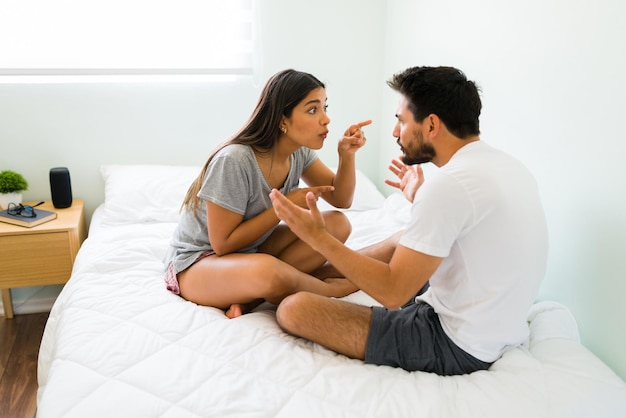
point(19, 347)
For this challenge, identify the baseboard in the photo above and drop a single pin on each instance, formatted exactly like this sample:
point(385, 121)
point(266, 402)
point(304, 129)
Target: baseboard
point(33, 300)
point(34, 306)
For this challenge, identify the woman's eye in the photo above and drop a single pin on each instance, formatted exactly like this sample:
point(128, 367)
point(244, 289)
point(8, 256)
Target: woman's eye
point(313, 110)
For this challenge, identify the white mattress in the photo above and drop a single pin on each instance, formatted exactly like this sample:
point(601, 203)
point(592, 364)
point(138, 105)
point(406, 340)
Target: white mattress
point(117, 344)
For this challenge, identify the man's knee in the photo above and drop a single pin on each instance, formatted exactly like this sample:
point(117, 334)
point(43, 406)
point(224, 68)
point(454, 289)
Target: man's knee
point(289, 310)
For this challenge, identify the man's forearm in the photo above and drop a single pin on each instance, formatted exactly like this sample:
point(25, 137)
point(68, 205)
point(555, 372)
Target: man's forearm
point(367, 268)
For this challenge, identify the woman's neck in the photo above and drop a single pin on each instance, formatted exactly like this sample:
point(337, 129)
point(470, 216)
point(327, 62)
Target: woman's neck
point(274, 167)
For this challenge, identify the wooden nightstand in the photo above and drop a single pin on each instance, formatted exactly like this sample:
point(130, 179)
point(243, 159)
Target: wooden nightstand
point(41, 255)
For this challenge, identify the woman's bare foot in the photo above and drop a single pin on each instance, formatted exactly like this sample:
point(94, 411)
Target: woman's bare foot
point(326, 271)
point(234, 311)
point(238, 309)
point(341, 287)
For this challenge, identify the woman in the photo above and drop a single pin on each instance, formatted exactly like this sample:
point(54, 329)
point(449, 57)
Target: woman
point(229, 250)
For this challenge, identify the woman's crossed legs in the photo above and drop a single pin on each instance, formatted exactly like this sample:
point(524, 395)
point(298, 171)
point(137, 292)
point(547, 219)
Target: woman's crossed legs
point(238, 282)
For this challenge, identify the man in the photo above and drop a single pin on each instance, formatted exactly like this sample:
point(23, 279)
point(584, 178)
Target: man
point(477, 235)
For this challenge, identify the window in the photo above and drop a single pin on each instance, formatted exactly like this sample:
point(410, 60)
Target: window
point(126, 37)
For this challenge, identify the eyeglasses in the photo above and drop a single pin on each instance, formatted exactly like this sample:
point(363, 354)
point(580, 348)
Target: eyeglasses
point(23, 211)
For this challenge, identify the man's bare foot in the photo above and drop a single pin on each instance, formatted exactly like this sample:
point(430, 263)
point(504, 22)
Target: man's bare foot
point(234, 311)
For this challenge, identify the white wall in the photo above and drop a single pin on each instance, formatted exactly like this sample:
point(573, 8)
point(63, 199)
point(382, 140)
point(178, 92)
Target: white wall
point(82, 126)
point(554, 94)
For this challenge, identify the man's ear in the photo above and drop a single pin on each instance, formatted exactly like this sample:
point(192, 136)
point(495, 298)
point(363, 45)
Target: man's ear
point(433, 124)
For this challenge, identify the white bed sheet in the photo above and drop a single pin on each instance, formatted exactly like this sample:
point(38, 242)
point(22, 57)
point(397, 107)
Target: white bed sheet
point(118, 344)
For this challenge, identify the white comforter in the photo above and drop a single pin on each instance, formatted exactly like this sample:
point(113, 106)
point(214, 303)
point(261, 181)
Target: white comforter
point(117, 344)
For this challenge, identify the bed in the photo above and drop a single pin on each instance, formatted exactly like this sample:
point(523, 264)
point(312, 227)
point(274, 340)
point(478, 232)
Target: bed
point(117, 344)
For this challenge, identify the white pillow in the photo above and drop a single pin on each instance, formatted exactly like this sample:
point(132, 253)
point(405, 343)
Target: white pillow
point(154, 193)
point(144, 193)
point(366, 194)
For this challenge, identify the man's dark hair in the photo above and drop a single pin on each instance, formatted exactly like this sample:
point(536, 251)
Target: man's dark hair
point(444, 91)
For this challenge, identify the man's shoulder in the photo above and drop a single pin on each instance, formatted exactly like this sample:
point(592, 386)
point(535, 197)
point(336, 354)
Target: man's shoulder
point(480, 157)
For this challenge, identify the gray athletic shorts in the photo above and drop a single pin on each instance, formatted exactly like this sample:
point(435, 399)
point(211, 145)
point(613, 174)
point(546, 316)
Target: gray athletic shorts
point(412, 338)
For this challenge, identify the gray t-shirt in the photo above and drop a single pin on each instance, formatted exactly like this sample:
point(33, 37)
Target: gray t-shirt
point(233, 181)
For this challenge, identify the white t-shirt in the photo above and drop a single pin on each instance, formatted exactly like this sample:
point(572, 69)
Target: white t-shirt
point(482, 213)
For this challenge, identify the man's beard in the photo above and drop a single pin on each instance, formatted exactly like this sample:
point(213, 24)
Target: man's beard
point(419, 151)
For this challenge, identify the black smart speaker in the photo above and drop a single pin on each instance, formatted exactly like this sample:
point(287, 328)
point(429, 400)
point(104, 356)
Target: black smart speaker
point(60, 187)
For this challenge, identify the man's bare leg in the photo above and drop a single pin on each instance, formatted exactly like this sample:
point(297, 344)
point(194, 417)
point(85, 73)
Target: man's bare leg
point(340, 326)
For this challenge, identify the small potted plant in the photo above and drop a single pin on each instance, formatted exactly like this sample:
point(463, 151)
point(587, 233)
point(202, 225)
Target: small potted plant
point(12, 185)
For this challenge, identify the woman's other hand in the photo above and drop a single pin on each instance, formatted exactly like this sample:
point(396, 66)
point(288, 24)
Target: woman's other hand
point(298, 196)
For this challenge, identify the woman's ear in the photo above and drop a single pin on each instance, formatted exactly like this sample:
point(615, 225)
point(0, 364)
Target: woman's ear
point(283, 125)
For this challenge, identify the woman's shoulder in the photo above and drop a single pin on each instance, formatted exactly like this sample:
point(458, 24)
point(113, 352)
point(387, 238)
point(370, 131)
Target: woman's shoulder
point(305, 154)
point(304, 157)
point(238, 151)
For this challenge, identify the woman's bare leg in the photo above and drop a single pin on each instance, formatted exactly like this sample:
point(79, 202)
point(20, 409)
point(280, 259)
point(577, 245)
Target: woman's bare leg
point(222, 281)
point(238, 284)
point(285, 245)
point(382, 251)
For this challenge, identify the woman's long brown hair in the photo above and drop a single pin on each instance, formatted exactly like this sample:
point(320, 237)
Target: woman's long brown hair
point(282, 92)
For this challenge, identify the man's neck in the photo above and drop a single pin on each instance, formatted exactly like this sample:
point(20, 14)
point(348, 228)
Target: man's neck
point(450, 147)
